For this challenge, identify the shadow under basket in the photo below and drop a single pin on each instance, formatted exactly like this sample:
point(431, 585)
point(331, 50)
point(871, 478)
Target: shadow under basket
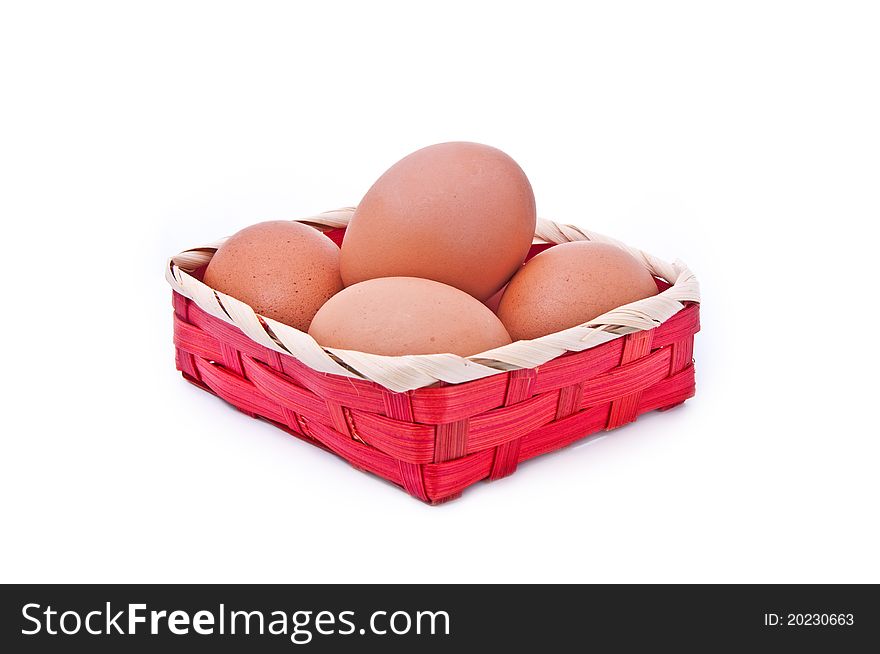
point(434, 442)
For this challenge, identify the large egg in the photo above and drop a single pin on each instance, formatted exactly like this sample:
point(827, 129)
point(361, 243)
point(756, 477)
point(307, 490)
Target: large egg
point(284, 270)
point(407, 315)
point(570, 284)
point(458, 213)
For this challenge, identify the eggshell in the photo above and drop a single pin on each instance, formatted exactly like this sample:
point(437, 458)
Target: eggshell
point(458, 213)
point(284, 270)
point(570, 284)
point(407, 315)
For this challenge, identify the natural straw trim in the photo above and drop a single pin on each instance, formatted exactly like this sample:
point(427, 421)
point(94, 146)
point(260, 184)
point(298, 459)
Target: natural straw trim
point(403, 373)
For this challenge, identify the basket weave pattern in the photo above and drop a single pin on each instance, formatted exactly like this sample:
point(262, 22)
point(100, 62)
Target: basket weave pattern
point(436, 441)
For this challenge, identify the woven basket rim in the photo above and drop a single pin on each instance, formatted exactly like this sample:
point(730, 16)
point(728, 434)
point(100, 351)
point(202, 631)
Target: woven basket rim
point(409, 372)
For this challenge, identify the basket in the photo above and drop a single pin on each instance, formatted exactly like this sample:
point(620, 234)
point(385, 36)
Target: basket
point(436, 424)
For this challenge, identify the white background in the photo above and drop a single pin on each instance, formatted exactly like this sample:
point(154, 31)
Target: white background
point(741, 137)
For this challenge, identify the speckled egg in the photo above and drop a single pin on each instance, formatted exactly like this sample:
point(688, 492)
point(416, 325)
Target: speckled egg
point(284, 270)
point(570, 284)
point(407, 315)
point(458, 213)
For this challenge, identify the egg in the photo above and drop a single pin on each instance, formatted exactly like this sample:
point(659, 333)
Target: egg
point(284, 270)
point(407, 315)
point(458, 213)
point(571, 284)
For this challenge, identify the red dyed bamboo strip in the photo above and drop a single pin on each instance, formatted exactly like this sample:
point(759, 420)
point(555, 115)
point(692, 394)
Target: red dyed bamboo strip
point(624, 409)
point(435, 442)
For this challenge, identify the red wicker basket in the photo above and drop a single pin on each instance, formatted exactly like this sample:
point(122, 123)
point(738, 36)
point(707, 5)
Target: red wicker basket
point(437, 440)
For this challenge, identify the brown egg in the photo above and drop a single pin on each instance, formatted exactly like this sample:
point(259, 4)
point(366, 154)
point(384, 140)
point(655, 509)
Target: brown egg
point(407, 315)
point(458, 213)
point(284, 270)
point(570, 284)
